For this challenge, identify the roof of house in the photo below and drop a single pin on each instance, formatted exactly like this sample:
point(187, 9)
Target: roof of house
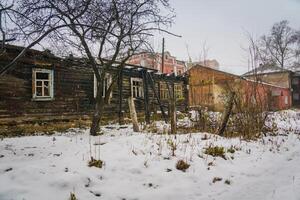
point(239, 77)
point(264, 83)
point(220, 71)
point(265, 69)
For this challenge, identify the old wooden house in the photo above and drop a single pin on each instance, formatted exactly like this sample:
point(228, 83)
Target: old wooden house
point(209, 88)
point(44, 87)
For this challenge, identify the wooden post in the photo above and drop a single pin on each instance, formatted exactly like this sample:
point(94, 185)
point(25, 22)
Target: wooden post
point(146, 97)
point(133, 115)
point(226, 114)
point(172, 109)
point(120, 87)
point(163, 56)
point(157, 97)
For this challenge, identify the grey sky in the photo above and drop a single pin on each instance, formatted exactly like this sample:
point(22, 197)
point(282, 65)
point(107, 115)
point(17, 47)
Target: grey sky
point(222, 23)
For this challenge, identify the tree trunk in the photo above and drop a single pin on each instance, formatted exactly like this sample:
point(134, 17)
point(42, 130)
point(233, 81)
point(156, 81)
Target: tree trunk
point(133, 115)
point(120, 90)
point(95, 127)
point(226, 114)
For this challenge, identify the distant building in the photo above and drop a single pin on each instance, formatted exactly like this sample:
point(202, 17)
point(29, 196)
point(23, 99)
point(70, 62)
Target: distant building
point(278, 76)
point(154, 60)
point(214, 64)
point(208, 88)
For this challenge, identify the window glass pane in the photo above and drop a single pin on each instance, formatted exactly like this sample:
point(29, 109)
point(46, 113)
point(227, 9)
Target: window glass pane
point(140, 92)
point(296, 96)
point(295, 81)
point(46, 83)
point(46, 91)
point(41, 75)
point(39, 83)
point(39, 91)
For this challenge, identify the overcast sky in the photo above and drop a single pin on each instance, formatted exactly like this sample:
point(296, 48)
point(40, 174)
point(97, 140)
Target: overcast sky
point(222, 24)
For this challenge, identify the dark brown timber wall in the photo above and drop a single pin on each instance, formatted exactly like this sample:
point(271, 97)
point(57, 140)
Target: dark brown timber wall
point(73, 91)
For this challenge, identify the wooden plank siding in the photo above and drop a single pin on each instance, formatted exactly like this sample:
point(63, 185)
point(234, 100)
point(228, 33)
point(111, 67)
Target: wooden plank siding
point(73, 90)
point(206, 85)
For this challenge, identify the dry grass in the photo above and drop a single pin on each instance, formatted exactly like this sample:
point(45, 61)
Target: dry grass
point(182, 165)
point(95, 163)
point(216, 179)
point(173, 146)
point(47, 128)
point(215, 151)
point(231, 150)
point(72, 196)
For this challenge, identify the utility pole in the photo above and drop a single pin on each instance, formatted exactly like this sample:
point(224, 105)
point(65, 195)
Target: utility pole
point(163, 55)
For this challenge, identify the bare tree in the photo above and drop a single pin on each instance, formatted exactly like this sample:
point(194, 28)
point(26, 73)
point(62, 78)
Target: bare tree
point(253, 52)
point(297, 52)
point(203, 55)
point(107, 32)
point(279, 45)
point(4, 8)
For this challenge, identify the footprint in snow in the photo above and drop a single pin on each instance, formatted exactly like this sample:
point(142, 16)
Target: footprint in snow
point(97, 194)
point(8, 169)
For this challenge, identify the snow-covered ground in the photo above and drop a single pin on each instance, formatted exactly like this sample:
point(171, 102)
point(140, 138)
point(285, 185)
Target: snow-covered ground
point(141, 166)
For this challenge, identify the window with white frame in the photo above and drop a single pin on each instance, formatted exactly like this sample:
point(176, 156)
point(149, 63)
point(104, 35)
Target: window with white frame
point(42, 82)
point(106, 83)
point(137, 88)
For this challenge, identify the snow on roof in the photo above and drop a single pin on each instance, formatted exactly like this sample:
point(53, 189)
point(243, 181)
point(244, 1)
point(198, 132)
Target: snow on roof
point(266, 69)
point(264, 83)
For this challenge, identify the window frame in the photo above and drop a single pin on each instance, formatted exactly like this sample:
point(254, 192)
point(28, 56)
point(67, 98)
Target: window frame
point(107, 79)
point(140, 87)
point(50, 73)
point(178, 95)
point(164, 92)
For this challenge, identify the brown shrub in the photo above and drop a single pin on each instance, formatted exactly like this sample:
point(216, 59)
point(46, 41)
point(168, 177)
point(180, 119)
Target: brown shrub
point(215, 151)
point(95, 163)
point(182, 165)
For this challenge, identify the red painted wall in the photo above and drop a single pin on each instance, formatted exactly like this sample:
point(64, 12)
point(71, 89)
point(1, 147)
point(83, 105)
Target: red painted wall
point(277, 98)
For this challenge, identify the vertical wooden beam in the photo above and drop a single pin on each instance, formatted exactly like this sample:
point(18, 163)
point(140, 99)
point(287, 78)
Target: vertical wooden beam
point(146, 96)
point(162, 63)
point(151, 82)
point(120, 91)
point(133, 115)
point(186, 89)
point(226, 114)
point(172, 109)
point(163, 56)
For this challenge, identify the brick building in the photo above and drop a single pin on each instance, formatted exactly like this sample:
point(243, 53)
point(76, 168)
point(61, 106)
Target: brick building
point(280, 77)
point(208, 87)
point(154, 60)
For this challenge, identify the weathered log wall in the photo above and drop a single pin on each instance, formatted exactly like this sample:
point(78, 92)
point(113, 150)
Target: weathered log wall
point(73, 91)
